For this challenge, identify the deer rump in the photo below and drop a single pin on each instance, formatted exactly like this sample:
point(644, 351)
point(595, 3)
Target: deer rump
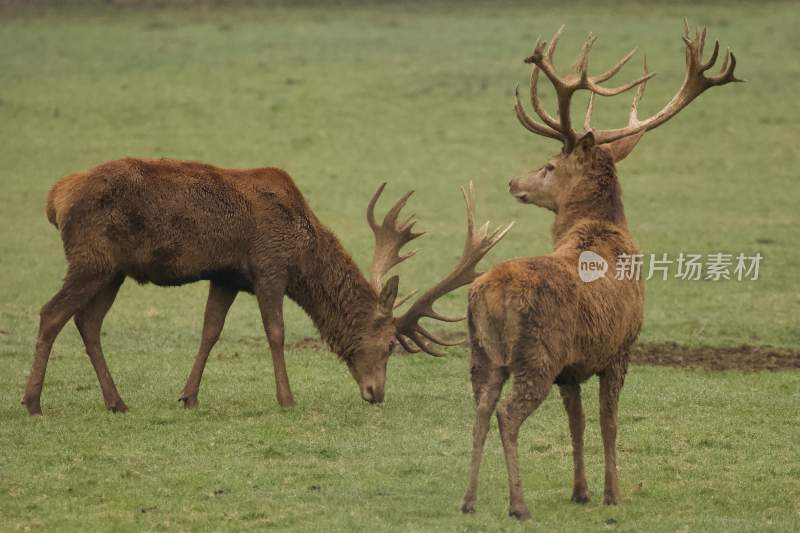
point(174, 222)
point(539, 301)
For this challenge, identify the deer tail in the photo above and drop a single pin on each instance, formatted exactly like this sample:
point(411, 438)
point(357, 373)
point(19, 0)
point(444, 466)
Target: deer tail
point(60, 198)
point(51, 210)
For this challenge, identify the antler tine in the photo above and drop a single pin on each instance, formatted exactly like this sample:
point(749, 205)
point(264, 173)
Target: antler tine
point(726, 72)
point(713, 59)
point(479, 246)
point(476, 245)
point(610, 73)
point(537, 106)
point(587, 120)
point(438, 340)
point(694, 84)
point(404, 299)
point(371, 205)
point(582, 64)
point(530, 123)
point(633, 118)
point(540, 59)
point(423, 345)
point(406, 345)
point(725, 61)
point(604, 91)
point(700, 35)
point(551, 48)
point(391, 215)
point(390, 237)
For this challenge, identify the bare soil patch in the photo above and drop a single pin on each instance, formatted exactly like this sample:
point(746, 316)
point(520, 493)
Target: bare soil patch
point(746, 358)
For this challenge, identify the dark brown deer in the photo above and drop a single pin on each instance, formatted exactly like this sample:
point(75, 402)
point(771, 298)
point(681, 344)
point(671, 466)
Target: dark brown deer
point(534, 318)
point(174, 222)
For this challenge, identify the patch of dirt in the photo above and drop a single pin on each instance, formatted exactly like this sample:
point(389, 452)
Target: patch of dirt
point(746, 358)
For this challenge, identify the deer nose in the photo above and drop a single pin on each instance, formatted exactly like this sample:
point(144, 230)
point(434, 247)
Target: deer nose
point(371, 395)
point(368, 393)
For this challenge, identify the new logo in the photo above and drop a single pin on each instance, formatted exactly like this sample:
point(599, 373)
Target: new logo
point(591, 266)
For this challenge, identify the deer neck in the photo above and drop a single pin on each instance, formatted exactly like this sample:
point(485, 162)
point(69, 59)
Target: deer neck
point(330, 288)
point(596, 197)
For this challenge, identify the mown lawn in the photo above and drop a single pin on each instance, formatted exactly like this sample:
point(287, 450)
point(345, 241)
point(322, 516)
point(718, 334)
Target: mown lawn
point(344, 98)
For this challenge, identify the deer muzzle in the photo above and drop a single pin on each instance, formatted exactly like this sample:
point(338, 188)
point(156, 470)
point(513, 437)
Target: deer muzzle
point(372, 393)
point(516, 190)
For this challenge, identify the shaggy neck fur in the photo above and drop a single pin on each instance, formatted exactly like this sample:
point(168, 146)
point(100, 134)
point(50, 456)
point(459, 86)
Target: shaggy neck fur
point(596, 197)
point(330, 288)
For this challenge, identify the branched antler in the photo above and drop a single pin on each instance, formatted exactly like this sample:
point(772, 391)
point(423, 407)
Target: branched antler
point(565, 87)
point(578, 79)
point(411, 335)
point(390, 237)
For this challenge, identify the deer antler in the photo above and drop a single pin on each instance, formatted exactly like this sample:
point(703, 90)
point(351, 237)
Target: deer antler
point(390, 237)
point(410, 334)
point(694, 84)
point(542, 59)
point(565, 87)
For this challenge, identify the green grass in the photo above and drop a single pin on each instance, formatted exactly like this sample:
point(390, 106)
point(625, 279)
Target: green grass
point(344, 98)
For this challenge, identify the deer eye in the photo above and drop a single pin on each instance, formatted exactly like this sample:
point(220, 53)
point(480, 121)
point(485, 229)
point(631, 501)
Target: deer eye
point(549, 167)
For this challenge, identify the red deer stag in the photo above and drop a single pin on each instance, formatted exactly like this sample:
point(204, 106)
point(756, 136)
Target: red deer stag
point(174, 222)
point(534, 318)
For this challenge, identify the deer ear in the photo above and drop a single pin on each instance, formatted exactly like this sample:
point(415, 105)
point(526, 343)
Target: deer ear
point(620, 148)
point(389, 294)
point(584, 147)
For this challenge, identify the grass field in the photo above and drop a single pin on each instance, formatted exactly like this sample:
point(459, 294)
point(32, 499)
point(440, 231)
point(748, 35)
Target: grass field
point(344, 98)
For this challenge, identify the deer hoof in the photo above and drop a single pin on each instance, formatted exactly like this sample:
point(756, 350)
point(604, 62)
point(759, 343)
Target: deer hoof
point(468, 507)
point(118, 407)
point(189, 401)
point(520, 514)
point(286, 402)
point(581, 498)
point(33, 407)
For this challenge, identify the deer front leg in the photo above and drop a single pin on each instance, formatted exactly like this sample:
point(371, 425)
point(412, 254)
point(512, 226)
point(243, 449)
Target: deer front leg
point(571, 395)
point(610, 386)
point(529, 390)
point(487, 383)
point(220, 299)
point(270, 302)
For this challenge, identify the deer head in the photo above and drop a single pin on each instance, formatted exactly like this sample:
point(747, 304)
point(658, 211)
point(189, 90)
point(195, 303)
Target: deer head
point(549, 185)
point(387, 330)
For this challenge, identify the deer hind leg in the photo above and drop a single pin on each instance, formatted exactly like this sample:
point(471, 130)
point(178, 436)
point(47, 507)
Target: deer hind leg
point(611, 382)
point(220, 299)
point(270, 302)
point(530, 388)
point(89, 320)
point(487, 384)
point(78, 289)
point(571, 396)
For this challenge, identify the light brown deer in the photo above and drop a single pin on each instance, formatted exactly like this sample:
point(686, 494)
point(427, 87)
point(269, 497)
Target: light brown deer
point(534, 318)
point(173, 222)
